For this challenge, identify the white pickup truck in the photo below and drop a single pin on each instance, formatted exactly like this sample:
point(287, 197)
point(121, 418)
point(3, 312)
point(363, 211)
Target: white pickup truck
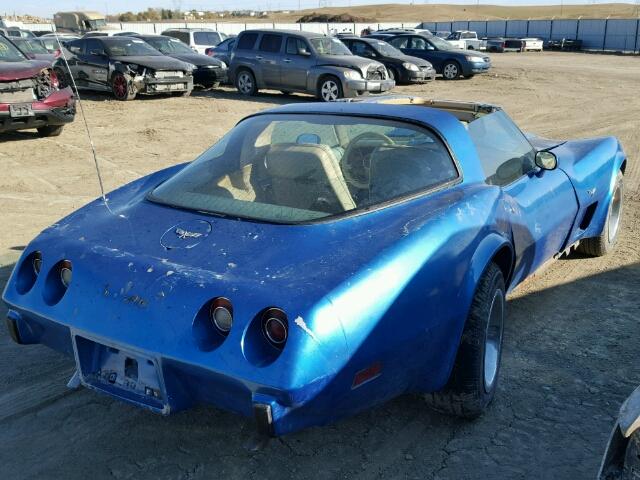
point(466, 40)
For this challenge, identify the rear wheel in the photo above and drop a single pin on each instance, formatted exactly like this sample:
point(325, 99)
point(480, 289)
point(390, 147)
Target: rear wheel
point(329, 89)
point(246, 83)
point(451, 70)
point(604, 243)
point(121, 88)
point(474, 377)
point(50, 130)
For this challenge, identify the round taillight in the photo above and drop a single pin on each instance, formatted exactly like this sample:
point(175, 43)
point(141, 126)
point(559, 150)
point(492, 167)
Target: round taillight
point(221, 314)
point(275, 327)
point(66, 274)
point(36, 262)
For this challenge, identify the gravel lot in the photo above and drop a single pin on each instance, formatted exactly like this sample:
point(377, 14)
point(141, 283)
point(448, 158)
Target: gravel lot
point(571, 341)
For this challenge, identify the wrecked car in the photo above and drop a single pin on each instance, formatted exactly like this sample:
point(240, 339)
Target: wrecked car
point(319, 259)
point(30, 94)
point(207, 72)
point(294, 61)
point(124, 66)
point(621, 460)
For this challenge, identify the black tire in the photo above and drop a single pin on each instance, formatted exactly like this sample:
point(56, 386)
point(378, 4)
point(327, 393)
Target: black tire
point(121, 87)
point(451, 70)
point(50, 130)
point(470, 388)
point(329, 89)
point(393, 74)
point(604, 243)
point(246, 82)
point(63, 77)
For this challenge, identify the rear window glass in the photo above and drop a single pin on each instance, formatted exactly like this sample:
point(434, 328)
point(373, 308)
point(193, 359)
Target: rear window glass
point(206, 38)
point(247, 41)
point(270, 43)
point(294, 168)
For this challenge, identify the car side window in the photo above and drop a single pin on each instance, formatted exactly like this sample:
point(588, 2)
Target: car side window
point(505, 153)
point(295, 46)
point(247, 41)
point(94, 47)
point(363, 50)
point(76, 47)
point(270, 43)
point(418, 43)
point(400, 42)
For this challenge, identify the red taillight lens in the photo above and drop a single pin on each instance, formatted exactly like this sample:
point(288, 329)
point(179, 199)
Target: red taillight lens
point(275, 327)
point(221, 315)
point(55, 83)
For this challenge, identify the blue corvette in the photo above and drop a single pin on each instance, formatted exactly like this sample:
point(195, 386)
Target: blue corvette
point(316, 261)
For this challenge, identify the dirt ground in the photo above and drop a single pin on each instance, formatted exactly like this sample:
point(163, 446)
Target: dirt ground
point(571, 341)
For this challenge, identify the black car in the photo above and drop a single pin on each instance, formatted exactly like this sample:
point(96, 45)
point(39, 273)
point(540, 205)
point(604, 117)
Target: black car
point(402, 68)
point(124, 66)
point(223, 50)
point(208, 72)
point(448, 60)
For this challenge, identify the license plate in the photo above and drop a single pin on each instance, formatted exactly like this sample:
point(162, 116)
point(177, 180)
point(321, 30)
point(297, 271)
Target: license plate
point(125, 374)
point(17, 110)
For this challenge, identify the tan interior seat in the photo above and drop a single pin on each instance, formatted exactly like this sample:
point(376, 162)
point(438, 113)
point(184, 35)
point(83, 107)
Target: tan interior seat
point(238, 184)
point(307, 176)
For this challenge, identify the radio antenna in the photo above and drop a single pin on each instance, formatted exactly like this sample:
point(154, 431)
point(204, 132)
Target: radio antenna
point(84, 118)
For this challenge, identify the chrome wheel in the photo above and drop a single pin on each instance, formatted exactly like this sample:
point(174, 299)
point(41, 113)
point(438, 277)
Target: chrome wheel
point(330, 92)
point(614, 214)
point(493, 340)
point(245, 83)
point(450, 71)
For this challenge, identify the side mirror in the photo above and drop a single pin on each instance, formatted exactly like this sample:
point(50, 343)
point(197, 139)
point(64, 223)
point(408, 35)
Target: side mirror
point(304, 53)
point(546, 160)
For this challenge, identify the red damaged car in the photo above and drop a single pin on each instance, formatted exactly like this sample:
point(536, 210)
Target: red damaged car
point(30, 94)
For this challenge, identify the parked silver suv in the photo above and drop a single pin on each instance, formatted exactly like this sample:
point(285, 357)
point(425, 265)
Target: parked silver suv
point(294, 61)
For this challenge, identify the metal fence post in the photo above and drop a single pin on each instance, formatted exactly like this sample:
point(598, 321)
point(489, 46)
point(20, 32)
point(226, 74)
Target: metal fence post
point(577, 28)
point(604, 37)
point(635, 45)
point(528, 21)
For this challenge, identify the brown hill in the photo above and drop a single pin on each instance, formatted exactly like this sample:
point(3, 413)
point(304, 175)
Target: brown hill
point(442, 12)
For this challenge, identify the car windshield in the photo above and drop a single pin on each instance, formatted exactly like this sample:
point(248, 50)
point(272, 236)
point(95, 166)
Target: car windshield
point(30, 46)
point(9, 53)
point(387, 50)
point(329, 46)
point(129, 48)
point(289, 168)
point(441, 44)
point(206, 38)
point(168, 46)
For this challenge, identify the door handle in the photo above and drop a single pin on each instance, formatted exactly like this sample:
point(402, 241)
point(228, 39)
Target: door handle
point(259, 57)
point(286, 60)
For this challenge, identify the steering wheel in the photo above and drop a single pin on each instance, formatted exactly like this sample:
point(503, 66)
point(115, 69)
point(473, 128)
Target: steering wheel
point(356, 163)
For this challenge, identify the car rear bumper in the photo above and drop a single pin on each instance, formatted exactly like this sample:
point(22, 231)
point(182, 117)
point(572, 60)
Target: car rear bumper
point(352, 87)
point(57, 109)
point(166, 385)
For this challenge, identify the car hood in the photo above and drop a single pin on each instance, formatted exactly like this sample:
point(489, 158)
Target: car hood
point(155, 62)
point(415, 60)
point(197, 59)
point(348, 61)
point(10, 71)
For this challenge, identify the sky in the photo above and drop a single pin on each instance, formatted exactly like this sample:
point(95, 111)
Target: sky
point(46, 8)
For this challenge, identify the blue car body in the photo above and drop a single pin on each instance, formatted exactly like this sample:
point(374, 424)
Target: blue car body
point(380, 295)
